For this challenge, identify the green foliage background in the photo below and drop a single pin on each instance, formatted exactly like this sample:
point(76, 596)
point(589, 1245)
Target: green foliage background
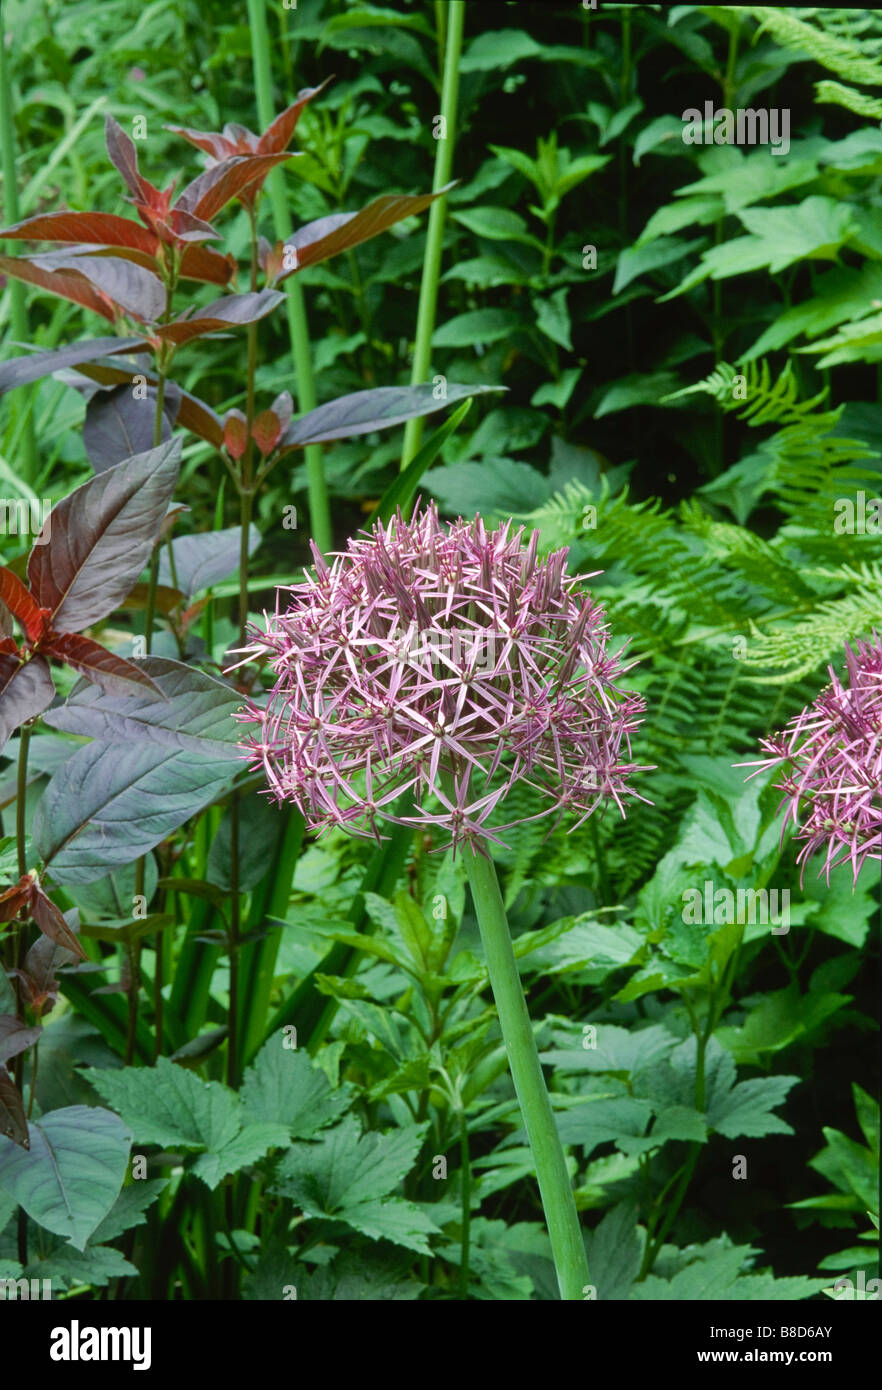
point(691, 342)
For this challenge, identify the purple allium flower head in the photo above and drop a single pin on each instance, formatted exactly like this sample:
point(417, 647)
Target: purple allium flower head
point(444, 661)
point(832, 754)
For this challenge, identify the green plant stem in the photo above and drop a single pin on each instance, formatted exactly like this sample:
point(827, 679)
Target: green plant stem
point(21, 791)
point(317, 492)
point(154, 558)
point(26, 454)
point(24, 739)
point(246, 503)
point(413, 432)
point(556, 1190)
point(134, 951)
point(466, 1218)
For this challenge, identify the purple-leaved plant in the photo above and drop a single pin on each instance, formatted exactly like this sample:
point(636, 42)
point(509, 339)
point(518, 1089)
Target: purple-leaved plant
point(832, 759)
point(445, 661)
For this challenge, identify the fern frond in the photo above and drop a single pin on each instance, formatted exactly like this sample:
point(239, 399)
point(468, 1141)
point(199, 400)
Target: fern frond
point(834, 94)
point(849, 57)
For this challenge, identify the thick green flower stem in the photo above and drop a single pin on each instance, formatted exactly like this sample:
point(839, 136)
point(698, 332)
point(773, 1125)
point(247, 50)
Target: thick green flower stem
point(413, 431)
point(316, 487)
point(555, 1188)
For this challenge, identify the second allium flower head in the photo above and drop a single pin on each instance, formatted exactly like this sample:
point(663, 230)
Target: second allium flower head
point(831, 758)
point(449, 663)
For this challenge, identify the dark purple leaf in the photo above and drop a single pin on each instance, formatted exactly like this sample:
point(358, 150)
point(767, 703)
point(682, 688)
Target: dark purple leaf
point(124, 158)
point(85, 228)
point(20, 602)
point(217, 186)
point(112, 802)
point(196, 714)
point(223, 313)
point(113, 674)
point(51, 922)
point(136, 290)
point(15, 1036)
point(20, 371)
point(193, 414)
point(13, 1122)
point(118, 424)
point(25, 692)
point(364, 411)
point(68, 284)
point(206, 558)
point(278, 134)
point(101, 537)
point(317, 241)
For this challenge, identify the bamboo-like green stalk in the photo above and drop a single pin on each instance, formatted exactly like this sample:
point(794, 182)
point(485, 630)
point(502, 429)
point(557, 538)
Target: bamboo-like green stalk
point(27, 462)
point(317, 492)
point(558, 1202)
point(422, 351)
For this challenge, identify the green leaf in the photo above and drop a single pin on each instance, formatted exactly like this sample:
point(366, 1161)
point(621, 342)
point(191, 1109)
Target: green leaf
point(395, 1219)
point(495, 50)
point(599, 1121)
point(746, 1108)
point(128, 1209)
point(814, 229)
point(494, 487)
point(403, 490)
point(96, 1265)
point(71, 1176)
point(615, 1249)
point(637, 389)
point(346, 1177)
point(642, 258)
point(477, 326)
point(496, 224)
point(553, 318)
point(285, 1087)
point(249, 1144)
point(758, 177)
point(169, 1105)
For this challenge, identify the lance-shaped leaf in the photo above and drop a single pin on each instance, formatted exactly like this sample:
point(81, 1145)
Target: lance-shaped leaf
point(13, 1123)
point(102, 534)
point(317, 241)
point(113, 674)
point(20, 602)
point(49, 919)
point(136, 290)
point(118, 424)
point(195, 714)
point(124, 158)
point(364, 411)
point(193, 414)
point(206, 558)
point(25, 691)
point(73, 1173)
point(211, 267)
point(278, 133)
point(112, 802)
point(68, 284)
point(197, 263)
point(97, 228)
point(15, 1036)
point(21, 371)
point(13, 899)
point(233, 310)
point(217, 186)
